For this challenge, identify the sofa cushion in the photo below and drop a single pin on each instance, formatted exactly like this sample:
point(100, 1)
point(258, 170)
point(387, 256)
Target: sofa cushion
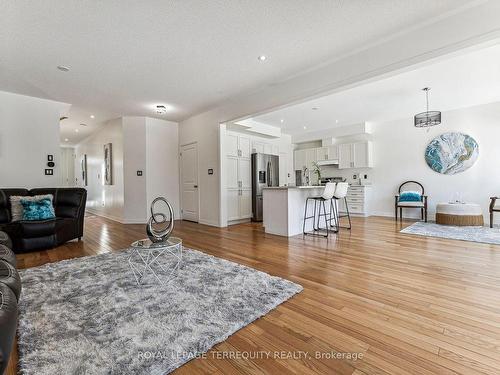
point(10, 277)
point(32, 229)
point(5, 240)
point(8, 324)
point(5, 194)
point(37, 209)
point(8, 255)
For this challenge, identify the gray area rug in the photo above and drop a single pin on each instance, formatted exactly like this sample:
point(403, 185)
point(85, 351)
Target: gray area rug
point(88, 315)
point(472, 234)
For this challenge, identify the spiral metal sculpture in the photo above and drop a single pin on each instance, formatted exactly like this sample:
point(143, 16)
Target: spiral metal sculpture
point(161, 235)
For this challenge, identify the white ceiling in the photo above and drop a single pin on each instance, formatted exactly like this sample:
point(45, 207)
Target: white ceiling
point(461, 81)
point(127, 56)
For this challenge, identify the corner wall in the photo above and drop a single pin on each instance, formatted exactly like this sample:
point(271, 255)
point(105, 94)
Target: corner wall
point(29, 131)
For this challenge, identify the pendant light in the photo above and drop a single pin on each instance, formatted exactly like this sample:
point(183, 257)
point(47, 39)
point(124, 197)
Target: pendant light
point(428, 118)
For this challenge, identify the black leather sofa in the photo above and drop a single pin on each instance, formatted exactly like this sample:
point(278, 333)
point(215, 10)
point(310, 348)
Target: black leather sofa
point(10, 290)
point(69, 206)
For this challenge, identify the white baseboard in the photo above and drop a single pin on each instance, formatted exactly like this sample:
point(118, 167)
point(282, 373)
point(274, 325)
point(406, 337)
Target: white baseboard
point(107, 216)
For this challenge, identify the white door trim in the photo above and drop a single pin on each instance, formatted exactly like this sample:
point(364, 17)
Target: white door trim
point(197, 177)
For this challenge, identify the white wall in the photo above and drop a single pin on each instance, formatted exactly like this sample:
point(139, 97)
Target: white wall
point(162, 160)
point(29, 131)
point(398, 151)
point(134, 159)
point(104, 200)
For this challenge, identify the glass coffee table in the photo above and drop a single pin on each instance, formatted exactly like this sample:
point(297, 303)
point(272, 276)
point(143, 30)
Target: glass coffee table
point(159, 259)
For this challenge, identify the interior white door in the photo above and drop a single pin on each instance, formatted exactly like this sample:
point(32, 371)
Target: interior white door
point(189, 182)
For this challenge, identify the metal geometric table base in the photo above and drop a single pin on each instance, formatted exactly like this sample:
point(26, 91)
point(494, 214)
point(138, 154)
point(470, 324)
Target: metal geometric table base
point(160, 260)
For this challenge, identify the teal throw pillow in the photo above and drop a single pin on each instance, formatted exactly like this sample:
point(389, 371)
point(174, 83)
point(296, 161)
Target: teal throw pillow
point(410, 196)
point(41, 209)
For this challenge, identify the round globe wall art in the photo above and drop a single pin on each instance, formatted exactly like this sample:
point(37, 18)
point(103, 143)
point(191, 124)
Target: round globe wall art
point(451, 153)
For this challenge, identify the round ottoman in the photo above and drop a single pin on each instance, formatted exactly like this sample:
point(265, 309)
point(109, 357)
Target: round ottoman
point(7, 255)
point(460, 214)
point(10, 277)
point(5, 240)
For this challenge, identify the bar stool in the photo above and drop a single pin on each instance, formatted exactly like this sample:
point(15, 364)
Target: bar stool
point(327, 195)
point(340, 193)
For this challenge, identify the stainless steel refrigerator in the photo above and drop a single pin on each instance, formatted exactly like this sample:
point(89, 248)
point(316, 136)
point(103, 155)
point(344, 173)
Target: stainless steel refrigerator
point(265, 172)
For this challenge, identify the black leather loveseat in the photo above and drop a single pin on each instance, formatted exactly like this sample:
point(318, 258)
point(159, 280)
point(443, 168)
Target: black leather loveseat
point(69, 206)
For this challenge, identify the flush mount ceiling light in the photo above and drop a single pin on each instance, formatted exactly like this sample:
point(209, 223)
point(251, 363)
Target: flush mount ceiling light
point(262, 58)
point(63, 68)
point(428, 118)
point(161, 109)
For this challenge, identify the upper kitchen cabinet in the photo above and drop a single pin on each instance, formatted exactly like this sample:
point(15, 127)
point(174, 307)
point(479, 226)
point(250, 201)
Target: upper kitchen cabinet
point(333, 152)
point(238, 145)
point(322, 154)
point(355, 155)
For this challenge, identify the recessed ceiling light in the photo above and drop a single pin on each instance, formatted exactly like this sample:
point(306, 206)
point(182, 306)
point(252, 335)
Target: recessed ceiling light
point(63, 68)
point(76, 130)
point(92, 116)
point(305, 127)
point(161, 109)
point(262, 57)
point(336, 121)
point(282, 121)
point(66, 139)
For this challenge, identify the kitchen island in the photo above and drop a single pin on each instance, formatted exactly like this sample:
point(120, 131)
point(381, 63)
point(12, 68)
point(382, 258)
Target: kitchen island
point(283, 209)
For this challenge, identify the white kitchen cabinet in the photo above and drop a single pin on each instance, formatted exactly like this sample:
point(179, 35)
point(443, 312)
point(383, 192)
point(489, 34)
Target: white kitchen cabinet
point(299, 159)
point(283, 167)
point(245, 173)
point(333, 152)
point(232, 173)
point(355, 155)
point(268, 148)
point(257, 147)
point(232, 144)
point(322, 153)
point(245, 202)
point(237, 145)
point(345, 156)
point(239, 176)
point(233, 205)
point(358, 200)
point(362, 155)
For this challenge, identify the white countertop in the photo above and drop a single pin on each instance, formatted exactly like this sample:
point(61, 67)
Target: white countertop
point(292, 187)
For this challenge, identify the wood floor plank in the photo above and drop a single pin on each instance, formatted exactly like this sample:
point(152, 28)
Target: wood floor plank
point(409, 304)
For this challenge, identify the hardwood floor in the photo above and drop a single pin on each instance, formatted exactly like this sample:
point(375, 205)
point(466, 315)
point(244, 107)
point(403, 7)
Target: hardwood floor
point(409, 304)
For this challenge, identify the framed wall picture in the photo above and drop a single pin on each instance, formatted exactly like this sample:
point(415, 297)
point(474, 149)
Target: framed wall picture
point(108, 164)
point(84, 170)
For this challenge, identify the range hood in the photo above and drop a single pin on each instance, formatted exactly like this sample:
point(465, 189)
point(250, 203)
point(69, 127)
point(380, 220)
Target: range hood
point(328, 162)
